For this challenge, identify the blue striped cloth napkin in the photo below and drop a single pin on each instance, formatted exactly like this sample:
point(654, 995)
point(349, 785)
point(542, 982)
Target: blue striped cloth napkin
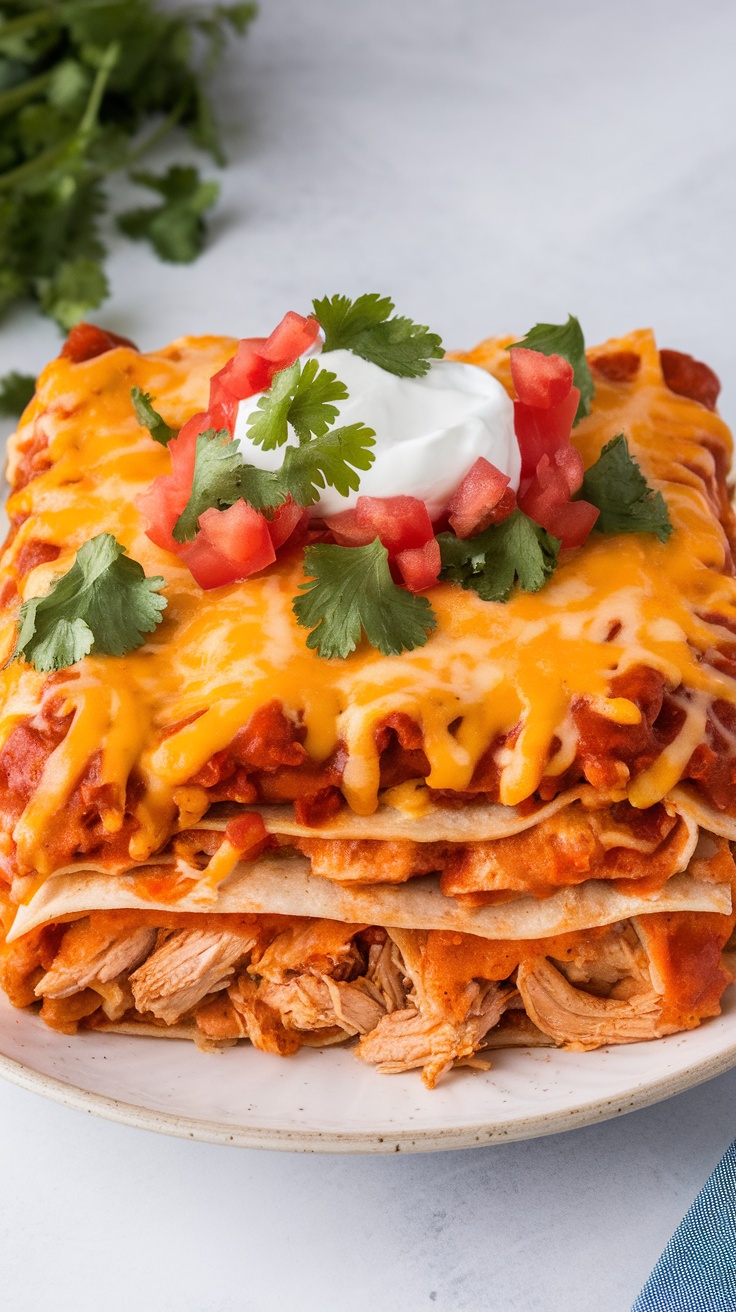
point(697, 1270)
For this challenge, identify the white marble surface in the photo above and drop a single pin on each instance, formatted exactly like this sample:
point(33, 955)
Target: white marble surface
point(489, 165)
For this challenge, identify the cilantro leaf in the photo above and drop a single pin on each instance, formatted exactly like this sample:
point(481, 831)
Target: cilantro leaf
point(351, 592)
point(565, 339)
point(302, 397)
point(77, 287)
point(104, 605)
point(331, 459)
point(616, 485)
point(176, 227)
point(216, 481)
point(364, 326)
point(262, 488)
point(270, 428)
point(16, 391)
point(149, 418)
point(313, 410)
point(515, 551)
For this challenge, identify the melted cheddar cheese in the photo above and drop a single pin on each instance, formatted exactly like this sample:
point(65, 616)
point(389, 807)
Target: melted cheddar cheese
point(488, 667)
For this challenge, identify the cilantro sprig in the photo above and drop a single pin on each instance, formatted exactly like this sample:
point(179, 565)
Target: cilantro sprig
point(149, 418)
point(216, 481)
point(303, 397)
point(365, 326)
point(325, 457)
point(516, 551)
point(103, 605)
point(351, 593)
point(565, 339)
point(616, 485)
point(87, 89)
point(176, 226)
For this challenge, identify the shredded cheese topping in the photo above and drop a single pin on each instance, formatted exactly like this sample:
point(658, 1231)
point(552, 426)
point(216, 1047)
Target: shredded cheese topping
point(487, 668)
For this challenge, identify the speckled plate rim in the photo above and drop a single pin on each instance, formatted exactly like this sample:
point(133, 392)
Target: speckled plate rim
point(334, 1141)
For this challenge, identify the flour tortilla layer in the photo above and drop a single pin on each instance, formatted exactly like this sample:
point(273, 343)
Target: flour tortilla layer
point(286, 886)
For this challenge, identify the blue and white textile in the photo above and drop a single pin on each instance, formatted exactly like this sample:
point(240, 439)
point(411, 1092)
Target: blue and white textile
point(697, 1270)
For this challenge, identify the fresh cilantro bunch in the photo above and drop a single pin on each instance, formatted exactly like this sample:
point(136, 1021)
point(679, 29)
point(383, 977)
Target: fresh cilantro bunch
point(103, 605)
point(87, 87)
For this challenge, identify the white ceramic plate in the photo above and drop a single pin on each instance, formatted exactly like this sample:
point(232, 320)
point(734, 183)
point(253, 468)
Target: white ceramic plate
point(327, 1101)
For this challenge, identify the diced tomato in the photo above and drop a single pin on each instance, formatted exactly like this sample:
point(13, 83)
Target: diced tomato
point(183, 448)
point(472, 506)
point(547, 489)
point(290, 339)
point(162, 505)
point(572, 522)
point(346, 530)
point(241, 534)
point(540, 380)
point(168, 494)
point(231, 544)
point(570, 463)
point(505, 507)
point(86, 340)
point(247, 833)
point(207, 565)
point(542, 431)
point(243, 376)
point(420, 566)
point(247, 535)
point(400, 522)
point(223, 408)
point(288, 520)
point(547, 499)
point(255, 363)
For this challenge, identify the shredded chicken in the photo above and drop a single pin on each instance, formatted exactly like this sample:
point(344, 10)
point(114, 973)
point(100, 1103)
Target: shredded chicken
point(188, 964)
point(86, 957)
point(311, 1002)
point(116, 997)
point(318, 946)
point(241, 1014)
point(581, 1020)
point(615, 966)
point(406, 1039)
point(385, 972)
point(436, 1028)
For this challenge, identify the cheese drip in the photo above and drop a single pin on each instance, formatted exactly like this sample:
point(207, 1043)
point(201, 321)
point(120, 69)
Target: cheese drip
point(619, 601)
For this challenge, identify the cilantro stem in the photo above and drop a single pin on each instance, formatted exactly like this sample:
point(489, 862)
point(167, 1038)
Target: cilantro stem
point(102, 77)
point(17, 96)
point(37, 164)
point(78, 139)
point(28, 23)
point(161, 130)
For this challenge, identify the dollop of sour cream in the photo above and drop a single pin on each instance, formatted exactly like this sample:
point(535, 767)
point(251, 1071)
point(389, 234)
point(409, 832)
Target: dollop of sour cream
point(429, 430)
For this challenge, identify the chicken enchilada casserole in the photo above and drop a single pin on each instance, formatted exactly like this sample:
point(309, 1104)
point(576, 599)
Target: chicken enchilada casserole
point(355, 691)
